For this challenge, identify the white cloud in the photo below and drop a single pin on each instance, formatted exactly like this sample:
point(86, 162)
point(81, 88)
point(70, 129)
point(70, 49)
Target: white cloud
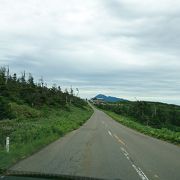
point(123, 47)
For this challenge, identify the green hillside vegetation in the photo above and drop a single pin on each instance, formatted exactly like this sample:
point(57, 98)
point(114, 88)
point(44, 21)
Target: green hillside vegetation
point(33, 115)
point(157, 119)
point(24, 90)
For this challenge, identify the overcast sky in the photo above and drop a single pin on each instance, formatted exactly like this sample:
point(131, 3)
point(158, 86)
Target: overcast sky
point(125, 48)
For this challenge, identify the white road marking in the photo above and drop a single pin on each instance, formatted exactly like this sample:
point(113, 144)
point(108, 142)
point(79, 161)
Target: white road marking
point(125, 153)
point(137, 169)
point(110, 133)
point(119, 140)
point(156, 176)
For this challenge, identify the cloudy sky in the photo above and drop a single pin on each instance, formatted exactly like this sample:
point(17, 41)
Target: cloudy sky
point(125, 48)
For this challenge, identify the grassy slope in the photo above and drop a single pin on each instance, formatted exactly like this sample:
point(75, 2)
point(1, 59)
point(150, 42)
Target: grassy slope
point(33, 129)
point(163, 133)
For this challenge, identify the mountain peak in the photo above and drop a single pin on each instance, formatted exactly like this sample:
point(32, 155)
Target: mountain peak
point(109, 98)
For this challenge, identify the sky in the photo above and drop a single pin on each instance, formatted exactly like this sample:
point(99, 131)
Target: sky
point(123, 48)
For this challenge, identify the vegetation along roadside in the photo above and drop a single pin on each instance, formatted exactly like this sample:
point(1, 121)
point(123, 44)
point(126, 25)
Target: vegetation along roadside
point(33, 115)
point(152, 118)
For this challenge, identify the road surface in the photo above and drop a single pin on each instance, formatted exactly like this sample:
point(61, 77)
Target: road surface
point(103, 148)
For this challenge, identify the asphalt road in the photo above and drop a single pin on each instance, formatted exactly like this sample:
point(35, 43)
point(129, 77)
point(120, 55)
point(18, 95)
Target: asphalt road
point(103, 148)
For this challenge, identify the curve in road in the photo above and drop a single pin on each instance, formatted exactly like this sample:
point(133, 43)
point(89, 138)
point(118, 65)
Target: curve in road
point(103, 148)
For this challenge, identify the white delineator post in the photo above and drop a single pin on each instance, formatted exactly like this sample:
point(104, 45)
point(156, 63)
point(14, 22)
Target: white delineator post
point(7, 144)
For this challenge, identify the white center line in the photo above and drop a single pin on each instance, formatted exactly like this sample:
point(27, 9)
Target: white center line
point(137, 169)
point(140, 172)
point(110, 133)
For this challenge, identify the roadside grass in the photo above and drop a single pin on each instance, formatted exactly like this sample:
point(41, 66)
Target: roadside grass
point(28, 135)
point(163, 133)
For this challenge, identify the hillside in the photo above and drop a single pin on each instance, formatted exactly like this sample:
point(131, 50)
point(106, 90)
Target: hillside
point(33, 115)
point(24, 90)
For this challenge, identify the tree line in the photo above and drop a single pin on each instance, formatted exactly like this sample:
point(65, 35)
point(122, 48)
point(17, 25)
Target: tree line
point(148, 113)
point(23, 89)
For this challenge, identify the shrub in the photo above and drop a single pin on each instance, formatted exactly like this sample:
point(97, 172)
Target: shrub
point(5, 109)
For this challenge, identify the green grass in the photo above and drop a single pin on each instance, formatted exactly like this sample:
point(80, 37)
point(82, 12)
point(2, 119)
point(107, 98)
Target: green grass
point(34, 129)
point(24, 111)
point(163, 133)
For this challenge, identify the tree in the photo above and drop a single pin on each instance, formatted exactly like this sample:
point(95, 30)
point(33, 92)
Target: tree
point(71, 91)
point(23, 78)
point(14, 77)
point(30, 80)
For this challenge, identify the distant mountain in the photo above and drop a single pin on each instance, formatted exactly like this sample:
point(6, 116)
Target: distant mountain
point(109, 98)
